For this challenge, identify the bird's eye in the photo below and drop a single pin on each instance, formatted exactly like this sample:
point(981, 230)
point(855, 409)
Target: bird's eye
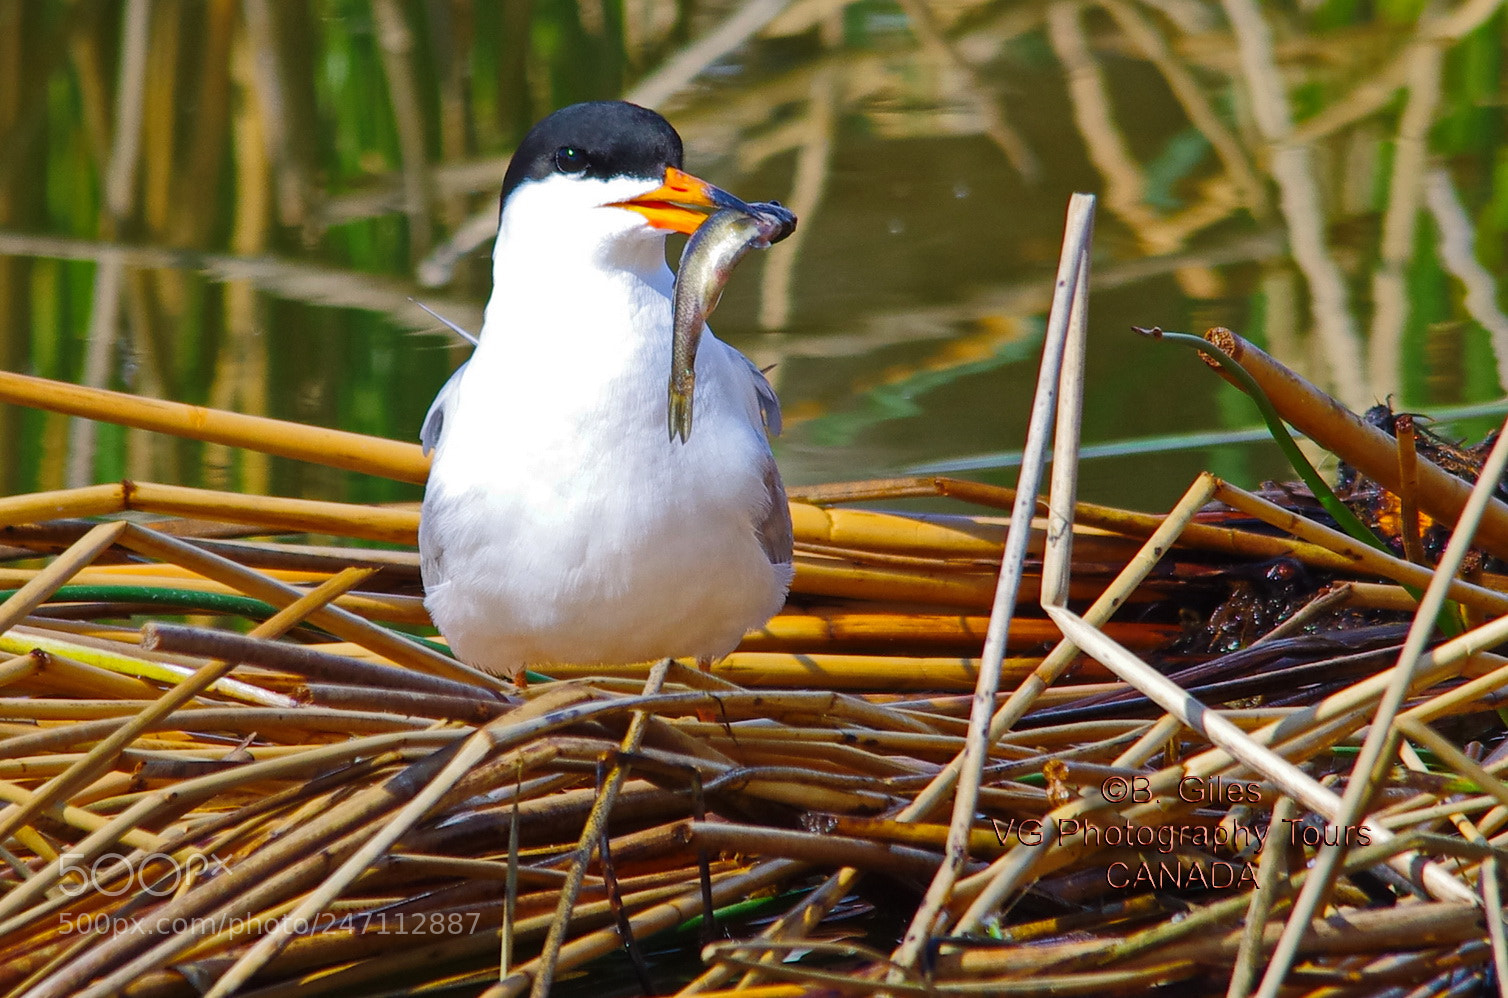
point(569, 159)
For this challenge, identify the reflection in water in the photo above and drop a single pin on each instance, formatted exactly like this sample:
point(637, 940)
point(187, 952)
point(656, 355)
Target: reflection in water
point(229, 203)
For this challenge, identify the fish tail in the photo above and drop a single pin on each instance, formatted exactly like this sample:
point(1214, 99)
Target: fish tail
point(680, 414)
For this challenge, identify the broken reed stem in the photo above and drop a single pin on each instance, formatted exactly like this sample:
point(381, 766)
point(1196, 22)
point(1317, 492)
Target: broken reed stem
point(1408, 487)
point(1371, 451)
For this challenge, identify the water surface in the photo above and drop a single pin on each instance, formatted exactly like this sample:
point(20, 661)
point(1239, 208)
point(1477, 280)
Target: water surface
point(1327, 190)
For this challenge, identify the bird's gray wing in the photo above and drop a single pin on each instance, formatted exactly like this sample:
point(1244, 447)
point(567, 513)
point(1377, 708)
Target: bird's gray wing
point(769, 402)
point(774, 530)
point(775, 534)
point(434, 420)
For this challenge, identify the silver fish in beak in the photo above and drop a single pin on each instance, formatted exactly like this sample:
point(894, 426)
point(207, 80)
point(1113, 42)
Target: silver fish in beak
point(707, 263)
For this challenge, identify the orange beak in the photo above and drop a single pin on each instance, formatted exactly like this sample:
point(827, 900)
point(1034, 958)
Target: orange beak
point(673, 205)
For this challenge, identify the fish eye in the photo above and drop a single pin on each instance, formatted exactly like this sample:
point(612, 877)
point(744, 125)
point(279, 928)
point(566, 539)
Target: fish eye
point(569, 159)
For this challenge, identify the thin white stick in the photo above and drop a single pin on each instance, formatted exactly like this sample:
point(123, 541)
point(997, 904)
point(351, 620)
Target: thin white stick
point(1063, 492)
point(1079, 227)
point(1244, 748)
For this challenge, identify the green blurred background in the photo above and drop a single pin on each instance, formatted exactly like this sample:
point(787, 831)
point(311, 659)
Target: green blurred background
point(230, 203)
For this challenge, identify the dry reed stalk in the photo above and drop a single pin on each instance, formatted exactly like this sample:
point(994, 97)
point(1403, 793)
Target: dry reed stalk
point(1408, 487)
point(162, 574)
point(270, 721)
point(184, 795)
point(276, 513)
point(351, 943)
point(1410, 925)
point(372, 959)
point(19, 799)
point(1060, 371)
point(981, 841)
point(1272, 866)
point(1232, 541)
point(1367, 771)
point(775, 670)
point(301, 660)
point(370, 606)
point(1469, 695)
point(1366, 448)
point(19, 667)
point(1365, 558)
point(764, 991)
point(893, 533)
point(1033, 690)
point(73, 659)
point(65, 566)
point(103, 755)
point(1492, 902)
point(470, 752)
point(898, 631)
point(324, 826)
point(280, 866)
point(337, 622)
point(826, 849)
point(900, 742)
point(58, 673)
point(90, 500)
point(757, 752)
point(854, 671)
point(334, 448)
point(971, 590)
point(662, 916)
point(1416, 730)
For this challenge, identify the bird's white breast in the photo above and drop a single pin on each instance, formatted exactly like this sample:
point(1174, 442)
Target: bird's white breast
point(560, 523)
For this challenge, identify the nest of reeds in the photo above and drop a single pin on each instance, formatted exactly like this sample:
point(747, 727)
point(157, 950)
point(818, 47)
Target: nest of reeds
point(1214, 746)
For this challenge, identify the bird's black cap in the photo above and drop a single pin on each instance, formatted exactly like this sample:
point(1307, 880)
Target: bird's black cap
point(609, 138)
